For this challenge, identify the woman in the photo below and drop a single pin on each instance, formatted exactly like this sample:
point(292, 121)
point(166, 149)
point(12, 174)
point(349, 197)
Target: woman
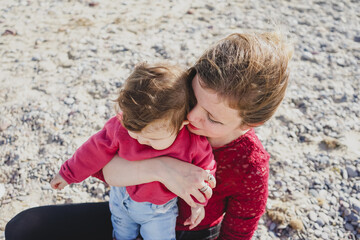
point(238, 84)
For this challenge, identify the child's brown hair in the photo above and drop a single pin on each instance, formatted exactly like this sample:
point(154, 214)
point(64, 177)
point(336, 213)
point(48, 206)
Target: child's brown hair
point(250, 71)
point(154, 92)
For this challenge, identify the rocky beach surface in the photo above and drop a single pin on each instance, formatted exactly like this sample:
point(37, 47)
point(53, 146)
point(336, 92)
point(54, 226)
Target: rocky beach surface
point(63, 62)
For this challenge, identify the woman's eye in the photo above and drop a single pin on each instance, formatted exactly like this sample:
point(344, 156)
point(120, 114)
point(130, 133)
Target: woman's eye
point(213, 121)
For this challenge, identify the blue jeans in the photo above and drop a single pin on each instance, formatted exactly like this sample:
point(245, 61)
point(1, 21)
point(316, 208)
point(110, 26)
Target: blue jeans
point(152, 221)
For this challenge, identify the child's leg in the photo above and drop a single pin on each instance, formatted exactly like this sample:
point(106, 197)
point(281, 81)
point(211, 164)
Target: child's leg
point(124, 226)
point(162, 224)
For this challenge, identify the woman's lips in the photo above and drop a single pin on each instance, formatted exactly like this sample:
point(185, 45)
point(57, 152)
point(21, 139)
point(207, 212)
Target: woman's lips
point(193, 127)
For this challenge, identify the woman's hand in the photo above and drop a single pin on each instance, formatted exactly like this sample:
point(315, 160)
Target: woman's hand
point(185, 180)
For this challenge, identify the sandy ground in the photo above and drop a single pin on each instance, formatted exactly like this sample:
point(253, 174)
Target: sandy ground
point(62, 62)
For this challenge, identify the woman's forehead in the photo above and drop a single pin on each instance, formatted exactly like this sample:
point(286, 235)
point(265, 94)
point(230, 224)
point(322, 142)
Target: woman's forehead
point(212, 103)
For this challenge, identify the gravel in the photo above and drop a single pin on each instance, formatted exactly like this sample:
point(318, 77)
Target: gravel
point(62, 63)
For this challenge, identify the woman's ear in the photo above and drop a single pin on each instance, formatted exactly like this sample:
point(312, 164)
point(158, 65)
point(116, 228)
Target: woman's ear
point(245, 127)
point(185, 122)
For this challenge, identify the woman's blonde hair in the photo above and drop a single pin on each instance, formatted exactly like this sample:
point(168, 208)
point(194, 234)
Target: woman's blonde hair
point(250, 71)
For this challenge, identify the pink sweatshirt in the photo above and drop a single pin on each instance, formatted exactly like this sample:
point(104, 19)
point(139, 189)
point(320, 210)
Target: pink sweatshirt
point(100, 148)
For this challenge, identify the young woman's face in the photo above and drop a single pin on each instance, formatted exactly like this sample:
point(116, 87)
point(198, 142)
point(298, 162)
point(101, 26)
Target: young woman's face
point(212, 117)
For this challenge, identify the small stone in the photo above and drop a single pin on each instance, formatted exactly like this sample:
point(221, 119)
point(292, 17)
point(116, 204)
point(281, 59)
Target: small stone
point(324, 217)
point(344, 174)
point(317, 233)
point(347, 212)
point(349, 227)
point(341, 62)
point(354, 218)
point(209, 7)
point(46, 187)
point(326, 207)
point(323, 193)
point(312, 216)
point(320, 222)
point(69, 100)
point(272, 226)
point(21, 198)
point(324, 235)
point(357, 38)
point(340, 233)
point(35, 58)
point(2, 190)
point(307, 56)
point(344, 204)
point(64, 61)
point(355, 204)
point(351, 171)
point(321, 201)
point(357, 186)
point(4, 124)
point(327, 229)
point(100, 189)
point(272, 235)
point(314, 193)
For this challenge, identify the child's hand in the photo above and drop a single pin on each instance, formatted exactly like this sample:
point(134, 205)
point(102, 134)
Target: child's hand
point(58, 182)
point(197, 215)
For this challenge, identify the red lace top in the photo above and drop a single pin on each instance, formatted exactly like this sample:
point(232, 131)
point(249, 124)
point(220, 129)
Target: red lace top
point(240, 196)
point(241, 192)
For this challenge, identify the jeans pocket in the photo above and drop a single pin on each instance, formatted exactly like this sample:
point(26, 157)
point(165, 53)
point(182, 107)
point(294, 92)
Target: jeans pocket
point(160, 209)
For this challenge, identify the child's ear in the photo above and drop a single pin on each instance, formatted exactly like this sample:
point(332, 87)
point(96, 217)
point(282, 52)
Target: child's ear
point(186, 122)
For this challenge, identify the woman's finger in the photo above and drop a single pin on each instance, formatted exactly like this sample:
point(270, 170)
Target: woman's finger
point(210, 179)
point(206, 190)
point(208, 193)
point(198, 196)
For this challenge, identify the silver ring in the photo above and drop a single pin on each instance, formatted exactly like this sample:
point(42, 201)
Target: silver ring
point(204, 188)
point(211, 178)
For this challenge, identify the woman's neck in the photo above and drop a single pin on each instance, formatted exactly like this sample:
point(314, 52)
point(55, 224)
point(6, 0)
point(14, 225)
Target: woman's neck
point(221, 141)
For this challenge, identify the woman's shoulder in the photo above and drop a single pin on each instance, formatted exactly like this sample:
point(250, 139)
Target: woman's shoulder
point(245, 158)
point(247, 147)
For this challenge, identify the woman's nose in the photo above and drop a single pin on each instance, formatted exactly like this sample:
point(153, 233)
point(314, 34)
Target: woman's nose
point(194, 115)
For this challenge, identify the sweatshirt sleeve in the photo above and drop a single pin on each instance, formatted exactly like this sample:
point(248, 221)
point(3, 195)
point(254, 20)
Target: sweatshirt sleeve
point(94, 154)
point(203, 157)
point(247, 204)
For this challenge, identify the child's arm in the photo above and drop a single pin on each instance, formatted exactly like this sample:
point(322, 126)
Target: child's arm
point(197, 215)
point(93, 155)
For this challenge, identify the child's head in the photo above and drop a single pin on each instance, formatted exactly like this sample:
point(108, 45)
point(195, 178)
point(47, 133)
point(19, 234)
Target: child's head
point(154, 102)
point(249, 71)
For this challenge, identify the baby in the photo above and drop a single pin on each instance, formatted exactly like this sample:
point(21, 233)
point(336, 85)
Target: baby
point(154, 103)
